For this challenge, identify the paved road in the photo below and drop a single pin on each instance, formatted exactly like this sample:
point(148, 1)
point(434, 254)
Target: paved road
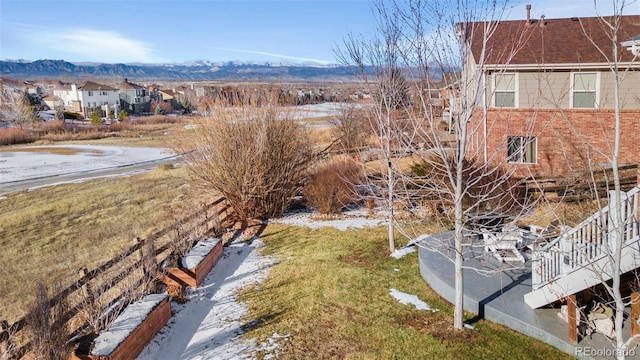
point(20, 185)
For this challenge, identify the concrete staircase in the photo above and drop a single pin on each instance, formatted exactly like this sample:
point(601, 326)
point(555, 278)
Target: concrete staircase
point(583, 256)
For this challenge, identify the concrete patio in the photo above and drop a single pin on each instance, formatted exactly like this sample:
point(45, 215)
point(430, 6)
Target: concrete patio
point(495, 291)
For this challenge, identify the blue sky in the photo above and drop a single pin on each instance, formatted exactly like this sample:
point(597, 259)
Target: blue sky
point(157, 31)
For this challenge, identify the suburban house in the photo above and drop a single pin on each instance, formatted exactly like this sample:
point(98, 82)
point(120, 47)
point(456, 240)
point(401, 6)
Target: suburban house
point(84, 99)
point(134, 98)
point(541, 99)
point(548, 101)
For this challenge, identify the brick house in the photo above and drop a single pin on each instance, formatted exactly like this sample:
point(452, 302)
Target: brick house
point(548, 107)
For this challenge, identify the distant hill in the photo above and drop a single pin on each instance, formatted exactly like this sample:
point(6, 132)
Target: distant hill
point(198, 70)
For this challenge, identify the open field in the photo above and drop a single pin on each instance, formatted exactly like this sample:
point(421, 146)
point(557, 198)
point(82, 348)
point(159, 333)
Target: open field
point(49, 234)
point(329, 296)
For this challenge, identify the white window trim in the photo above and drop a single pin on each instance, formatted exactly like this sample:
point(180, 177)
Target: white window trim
point(516, 86)
point(597, 97)
point(535, 140)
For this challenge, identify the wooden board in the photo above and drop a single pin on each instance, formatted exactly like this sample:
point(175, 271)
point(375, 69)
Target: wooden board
point(194, 277)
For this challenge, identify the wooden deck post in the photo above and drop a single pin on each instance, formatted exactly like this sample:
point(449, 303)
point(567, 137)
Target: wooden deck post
point(571, 316)
point(635, 313)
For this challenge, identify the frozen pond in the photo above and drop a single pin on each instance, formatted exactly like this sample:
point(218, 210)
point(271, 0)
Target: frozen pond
point(39, 162)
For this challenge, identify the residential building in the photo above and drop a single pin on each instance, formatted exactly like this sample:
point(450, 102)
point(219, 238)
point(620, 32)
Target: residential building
point(549, 102)
point(134, 98)
point(87, 97)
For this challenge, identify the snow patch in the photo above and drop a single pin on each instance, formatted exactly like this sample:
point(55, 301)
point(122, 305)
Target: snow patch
point(133, 315)
point(405, 299)
point(271, 346)
point(210, 325)
point(354, 219)
point(400, 253)
point(198, 252)
point(36, 161)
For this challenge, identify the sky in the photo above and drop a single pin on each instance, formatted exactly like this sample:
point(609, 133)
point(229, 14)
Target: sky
point(176, 31)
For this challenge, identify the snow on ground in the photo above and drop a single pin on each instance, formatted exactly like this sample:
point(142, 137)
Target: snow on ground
point(209, 325)
point(42, 161)
point(402, 252)
point(349, 219)
point(325, 109)
point(405, 298)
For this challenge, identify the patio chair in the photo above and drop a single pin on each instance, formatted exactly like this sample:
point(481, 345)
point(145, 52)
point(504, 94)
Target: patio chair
point(503, 245)
point(542, 235)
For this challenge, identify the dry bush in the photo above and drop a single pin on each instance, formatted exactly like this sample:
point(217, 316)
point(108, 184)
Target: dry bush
point(332, 185)
point(48, 339)
point(14, 135)
point(256, 157)
point(119, 126)
point(351, 129)
point(485, 187)
point(155, 119)
point(8, 347)
point(50, 126)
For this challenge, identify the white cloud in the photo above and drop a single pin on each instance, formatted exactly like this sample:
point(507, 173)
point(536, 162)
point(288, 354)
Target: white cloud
point(79, 44)
point(96, 45)
point(295, 58)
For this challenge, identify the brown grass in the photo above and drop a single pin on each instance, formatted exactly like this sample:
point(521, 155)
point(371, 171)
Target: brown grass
point(51, 233)
point(11, 136)
point(155, 119)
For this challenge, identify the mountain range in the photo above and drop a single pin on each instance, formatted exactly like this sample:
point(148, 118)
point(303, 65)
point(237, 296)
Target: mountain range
point(196, 70)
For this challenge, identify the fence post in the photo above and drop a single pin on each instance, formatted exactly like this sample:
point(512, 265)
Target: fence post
point(148, 257)
point(85, 289)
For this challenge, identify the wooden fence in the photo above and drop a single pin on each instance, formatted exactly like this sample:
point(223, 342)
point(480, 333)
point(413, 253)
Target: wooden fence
point(112, 285)
point(579, 186)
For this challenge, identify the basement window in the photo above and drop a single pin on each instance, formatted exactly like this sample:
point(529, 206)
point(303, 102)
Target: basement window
point(584, 94)
point(522, 149)
point(505, 90)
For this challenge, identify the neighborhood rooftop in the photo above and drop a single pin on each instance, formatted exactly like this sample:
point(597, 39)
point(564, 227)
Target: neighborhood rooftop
point(567, 41)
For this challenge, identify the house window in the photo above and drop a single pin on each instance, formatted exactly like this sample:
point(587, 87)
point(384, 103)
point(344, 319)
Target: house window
point(505, 90)
point(584, 90)
point(522, 149)
point(90, 93)
point(103, 93)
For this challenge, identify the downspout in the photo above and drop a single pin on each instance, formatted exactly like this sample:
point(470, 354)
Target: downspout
point(484, 116)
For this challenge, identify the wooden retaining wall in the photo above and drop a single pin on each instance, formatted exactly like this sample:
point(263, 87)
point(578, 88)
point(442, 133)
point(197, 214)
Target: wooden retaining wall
point(582, 185)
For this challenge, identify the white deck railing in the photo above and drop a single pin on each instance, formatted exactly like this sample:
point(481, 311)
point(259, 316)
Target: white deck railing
point(590, 241)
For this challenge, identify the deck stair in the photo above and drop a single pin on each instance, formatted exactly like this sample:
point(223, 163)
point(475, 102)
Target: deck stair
point(582, 257)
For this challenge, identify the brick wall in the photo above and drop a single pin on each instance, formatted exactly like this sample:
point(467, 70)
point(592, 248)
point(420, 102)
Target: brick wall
point(567, 140)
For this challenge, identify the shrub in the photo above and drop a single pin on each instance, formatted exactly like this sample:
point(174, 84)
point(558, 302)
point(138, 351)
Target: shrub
point(119, 126)
point(332, 185)
point(123, 116)
point(14, 135)
point(96, 117)
point(50, 126)
point(156, 119)
point(48, 339)
point(252, 156)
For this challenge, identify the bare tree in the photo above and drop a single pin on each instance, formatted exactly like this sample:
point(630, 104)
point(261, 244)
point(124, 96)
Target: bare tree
point(619, 211)
point(350, 129)
point(419, 42)
point(15, 107)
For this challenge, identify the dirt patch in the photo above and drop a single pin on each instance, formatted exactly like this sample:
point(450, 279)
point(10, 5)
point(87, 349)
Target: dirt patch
point(56, 151)
point(366, 259)
point(439, 327)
